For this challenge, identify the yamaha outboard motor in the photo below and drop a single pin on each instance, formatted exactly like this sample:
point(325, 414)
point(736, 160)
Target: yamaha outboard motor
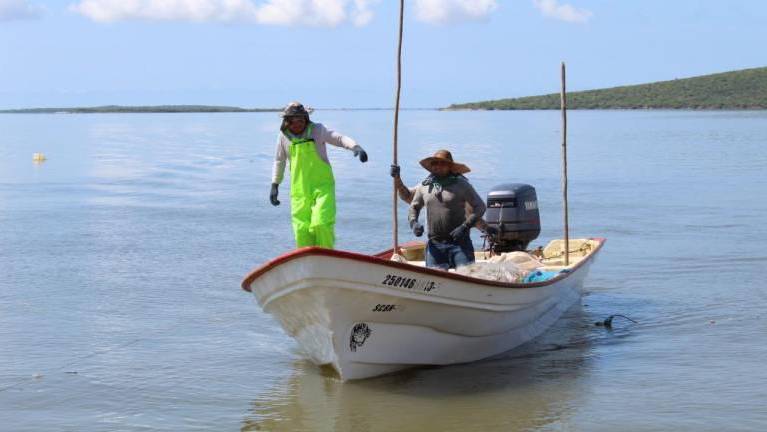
point(512, 209)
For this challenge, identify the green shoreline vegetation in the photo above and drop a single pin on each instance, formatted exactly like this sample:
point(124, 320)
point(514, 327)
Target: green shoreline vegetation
point(138, 109)
point(737, 90)
point(107, 109)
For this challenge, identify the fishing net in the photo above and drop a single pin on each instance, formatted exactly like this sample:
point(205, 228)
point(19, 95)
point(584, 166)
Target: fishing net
point(523, 260)
point(507, 267)
point(498, 271)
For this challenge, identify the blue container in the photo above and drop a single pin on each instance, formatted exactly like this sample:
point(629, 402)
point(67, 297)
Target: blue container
point(540, 276)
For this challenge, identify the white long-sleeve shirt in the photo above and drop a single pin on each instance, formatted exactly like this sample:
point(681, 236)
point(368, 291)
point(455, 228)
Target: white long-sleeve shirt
point(321, 135)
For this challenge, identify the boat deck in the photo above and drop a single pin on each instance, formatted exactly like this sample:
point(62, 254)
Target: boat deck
point(550, 258)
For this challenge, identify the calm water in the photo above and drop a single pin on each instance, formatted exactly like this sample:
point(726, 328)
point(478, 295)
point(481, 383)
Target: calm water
point(121, 257)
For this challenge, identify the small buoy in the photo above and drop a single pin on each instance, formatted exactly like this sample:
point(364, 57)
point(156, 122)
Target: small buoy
point(38, 157)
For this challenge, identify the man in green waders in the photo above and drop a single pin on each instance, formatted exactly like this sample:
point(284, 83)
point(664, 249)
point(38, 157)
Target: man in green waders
point(312, 186)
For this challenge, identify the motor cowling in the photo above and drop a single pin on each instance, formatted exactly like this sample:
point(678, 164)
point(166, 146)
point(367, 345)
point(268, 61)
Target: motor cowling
point(512, 209)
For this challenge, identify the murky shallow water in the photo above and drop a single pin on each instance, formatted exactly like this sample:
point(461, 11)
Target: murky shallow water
point(121, 256)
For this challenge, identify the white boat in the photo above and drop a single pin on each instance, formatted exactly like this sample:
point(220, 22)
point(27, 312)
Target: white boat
point(366, 315)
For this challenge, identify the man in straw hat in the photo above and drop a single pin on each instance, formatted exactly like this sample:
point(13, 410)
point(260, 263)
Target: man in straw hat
point(406, 194)
point(447, 195)
point(312, 185)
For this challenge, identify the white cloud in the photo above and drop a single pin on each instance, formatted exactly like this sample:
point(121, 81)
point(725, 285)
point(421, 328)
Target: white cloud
point(564, 12)
point(19, 9)
point(361, 14)
point(327, 13)
point(165, 10)
point(444, 11)
point(323, 13)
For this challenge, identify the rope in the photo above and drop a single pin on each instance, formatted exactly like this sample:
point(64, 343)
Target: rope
point(73, 362)
point(608, 322)
point(395, 249)
point(95, 353)
point(585, 247)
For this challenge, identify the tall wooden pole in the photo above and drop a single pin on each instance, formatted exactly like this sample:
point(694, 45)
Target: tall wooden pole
point(563, 100)
point(395, 225)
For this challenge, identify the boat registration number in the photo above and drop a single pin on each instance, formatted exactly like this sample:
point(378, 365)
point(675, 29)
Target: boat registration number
point(424, 285)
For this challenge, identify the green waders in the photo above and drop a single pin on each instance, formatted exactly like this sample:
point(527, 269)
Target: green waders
point(312, 194)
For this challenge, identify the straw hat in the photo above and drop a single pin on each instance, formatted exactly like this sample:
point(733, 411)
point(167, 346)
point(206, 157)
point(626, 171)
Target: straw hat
point(445, 156)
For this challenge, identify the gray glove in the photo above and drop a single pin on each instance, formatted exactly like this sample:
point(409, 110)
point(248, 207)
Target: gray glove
point(273, 195)
point(394, 171)
point(491, 231)
point(362, 155)
point(417, 228)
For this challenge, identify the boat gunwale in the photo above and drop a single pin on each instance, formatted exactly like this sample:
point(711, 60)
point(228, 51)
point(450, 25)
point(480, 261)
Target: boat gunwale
point(380, 260)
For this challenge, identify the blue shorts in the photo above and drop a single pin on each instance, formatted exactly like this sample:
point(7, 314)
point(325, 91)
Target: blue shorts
point(448, 254)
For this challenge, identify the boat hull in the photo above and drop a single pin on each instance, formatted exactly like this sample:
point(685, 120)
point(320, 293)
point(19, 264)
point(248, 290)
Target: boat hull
point(367, 316)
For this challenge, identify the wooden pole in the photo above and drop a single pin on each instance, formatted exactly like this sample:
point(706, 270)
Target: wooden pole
point(395, 249)
point(563, 100)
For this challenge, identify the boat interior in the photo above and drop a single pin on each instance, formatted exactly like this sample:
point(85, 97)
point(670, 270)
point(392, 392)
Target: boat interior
point(547, 261)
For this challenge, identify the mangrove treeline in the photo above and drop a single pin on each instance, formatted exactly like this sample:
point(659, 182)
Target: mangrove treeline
point(744, 89)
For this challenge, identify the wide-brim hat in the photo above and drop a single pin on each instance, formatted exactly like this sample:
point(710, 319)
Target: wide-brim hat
point(445, 156)
point(295, 109)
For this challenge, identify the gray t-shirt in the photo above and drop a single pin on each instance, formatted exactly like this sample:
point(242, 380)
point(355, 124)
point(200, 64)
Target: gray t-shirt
point(445, 208)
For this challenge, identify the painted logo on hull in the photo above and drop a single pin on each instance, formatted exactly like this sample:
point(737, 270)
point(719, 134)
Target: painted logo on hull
point(360, 333)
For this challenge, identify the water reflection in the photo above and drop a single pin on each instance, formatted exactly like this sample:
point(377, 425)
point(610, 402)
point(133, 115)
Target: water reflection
point(537, 385)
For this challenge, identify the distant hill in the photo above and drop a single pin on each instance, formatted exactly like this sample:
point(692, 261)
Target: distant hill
point(744, 89)
point(138, 109)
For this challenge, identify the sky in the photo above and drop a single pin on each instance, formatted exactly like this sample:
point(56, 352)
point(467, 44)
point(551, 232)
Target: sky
point(342, 53)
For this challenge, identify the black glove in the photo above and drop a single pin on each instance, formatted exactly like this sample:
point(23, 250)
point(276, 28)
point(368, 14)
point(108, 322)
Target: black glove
point(394, 171)
point(459, 232)
point(273, 195)
point(417, 228)
point(362, 155)
point(491, 231)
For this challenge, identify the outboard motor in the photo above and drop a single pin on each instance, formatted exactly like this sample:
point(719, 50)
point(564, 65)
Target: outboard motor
point(512, 209)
